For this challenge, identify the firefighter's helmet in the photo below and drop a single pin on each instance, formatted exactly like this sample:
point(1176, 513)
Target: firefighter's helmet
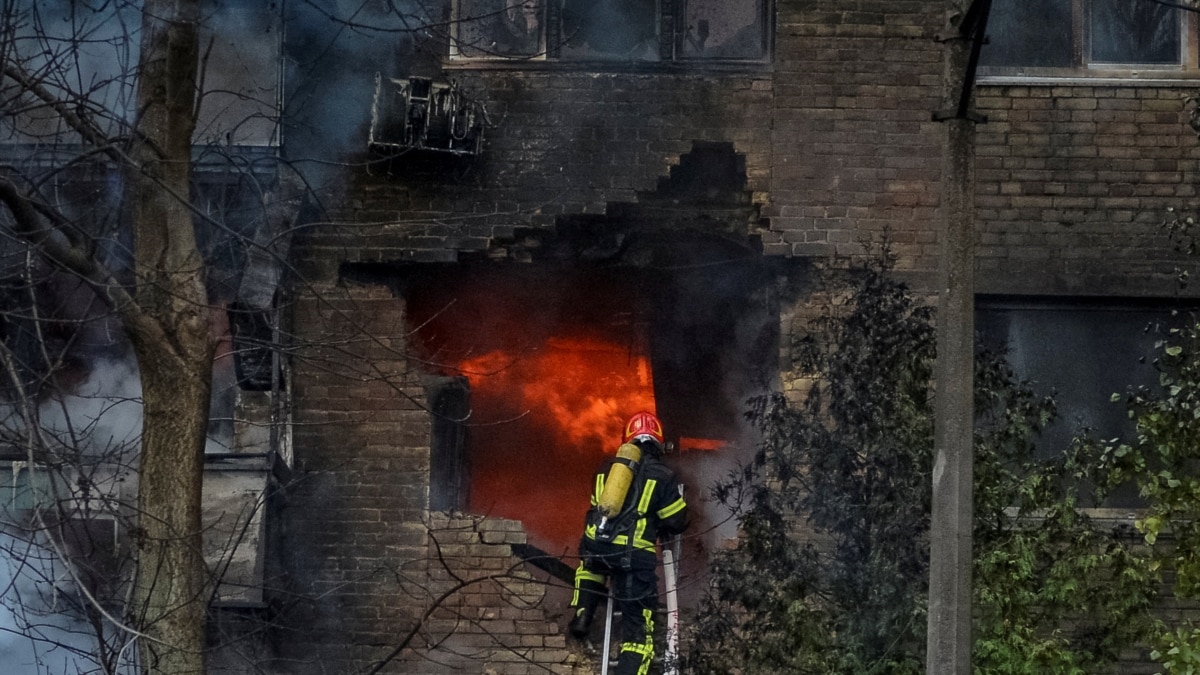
point(643, 426)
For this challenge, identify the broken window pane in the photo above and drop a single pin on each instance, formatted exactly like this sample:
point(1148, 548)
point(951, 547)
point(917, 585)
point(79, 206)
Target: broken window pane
point(502, 28)
point(1029, 33)
point(610, 29)
point(718, 29)
point(1133, 32)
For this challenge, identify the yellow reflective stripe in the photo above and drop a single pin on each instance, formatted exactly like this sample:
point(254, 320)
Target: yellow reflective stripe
point(637, 648)
point(583, 574)
point(639, 532)
point(672, 508)
point(646, 652)
point(646, 648)
point(622, 540)
point(647, 493)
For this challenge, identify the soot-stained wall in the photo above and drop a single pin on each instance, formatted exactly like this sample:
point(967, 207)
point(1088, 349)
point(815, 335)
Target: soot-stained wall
point(829, 146)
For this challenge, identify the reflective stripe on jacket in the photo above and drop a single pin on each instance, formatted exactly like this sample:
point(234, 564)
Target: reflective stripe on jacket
point(660, 508)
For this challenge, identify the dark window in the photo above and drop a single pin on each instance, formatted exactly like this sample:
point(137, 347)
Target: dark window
point(1141, 32)
point(1082, 34)
point(625, 30)
point(1034, 33)
point(718, 29)
point(253, 347)
point(501, 28)
point(450, 402)
point(612, 30)
point(1081, 352)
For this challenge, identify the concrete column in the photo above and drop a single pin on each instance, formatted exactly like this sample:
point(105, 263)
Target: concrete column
point(949, 639)
point(949, 622)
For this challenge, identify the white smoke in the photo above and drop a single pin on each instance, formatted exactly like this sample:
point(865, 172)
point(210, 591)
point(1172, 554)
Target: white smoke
point(334, 50)
point(93, 433)
point(38, 635)
point(103, 414)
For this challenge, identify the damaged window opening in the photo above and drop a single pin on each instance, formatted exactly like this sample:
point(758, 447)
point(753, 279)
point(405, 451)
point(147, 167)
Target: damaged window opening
point(532, 369)
point(254, 347)
point(449, 407)
point(638, 31)
point(1062, 38)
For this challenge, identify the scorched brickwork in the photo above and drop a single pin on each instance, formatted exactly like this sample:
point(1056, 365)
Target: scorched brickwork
point(833, 147)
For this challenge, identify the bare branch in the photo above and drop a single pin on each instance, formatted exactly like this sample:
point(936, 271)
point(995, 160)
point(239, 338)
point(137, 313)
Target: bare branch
point(30, 227)
point(90, 133)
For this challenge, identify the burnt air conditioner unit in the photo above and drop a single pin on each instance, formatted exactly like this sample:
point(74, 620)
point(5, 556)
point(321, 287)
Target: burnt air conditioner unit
point(418, 113)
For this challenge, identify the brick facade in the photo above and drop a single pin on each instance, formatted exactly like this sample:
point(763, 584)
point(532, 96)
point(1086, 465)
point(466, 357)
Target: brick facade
point(1074, 182)
point(838, 146)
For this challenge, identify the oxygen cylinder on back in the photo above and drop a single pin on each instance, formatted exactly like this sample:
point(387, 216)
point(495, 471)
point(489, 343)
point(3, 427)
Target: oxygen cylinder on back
point(616, 485)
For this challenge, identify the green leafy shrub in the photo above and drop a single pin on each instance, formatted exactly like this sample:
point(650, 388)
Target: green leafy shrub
point(1162, 459)
point(830, 574)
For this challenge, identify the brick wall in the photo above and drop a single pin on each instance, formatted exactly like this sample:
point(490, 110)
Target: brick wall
point(355, 504)
point(498, 621)
point(838, 145)
point(1074, 183)
point(836, 133)
point(854, 147)
point(563, 143)
point(363, 562)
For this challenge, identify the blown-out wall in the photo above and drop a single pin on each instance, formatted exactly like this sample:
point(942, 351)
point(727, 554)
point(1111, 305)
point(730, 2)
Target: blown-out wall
point(713, 188)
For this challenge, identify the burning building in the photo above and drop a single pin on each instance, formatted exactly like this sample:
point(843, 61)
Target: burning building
point(521, 221)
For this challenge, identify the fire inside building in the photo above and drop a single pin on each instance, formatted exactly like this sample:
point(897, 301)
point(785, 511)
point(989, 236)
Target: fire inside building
point(457, 244)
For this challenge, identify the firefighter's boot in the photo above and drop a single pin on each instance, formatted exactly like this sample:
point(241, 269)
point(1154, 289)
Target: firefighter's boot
point(581, 624)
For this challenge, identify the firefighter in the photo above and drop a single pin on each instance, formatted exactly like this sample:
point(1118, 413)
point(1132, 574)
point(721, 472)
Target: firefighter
point(636, 500)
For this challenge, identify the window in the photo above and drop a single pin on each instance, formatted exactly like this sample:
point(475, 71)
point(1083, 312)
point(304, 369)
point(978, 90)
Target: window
point(1081, 351)
point(22, 487)
point(612, 30)
point(1072, 37)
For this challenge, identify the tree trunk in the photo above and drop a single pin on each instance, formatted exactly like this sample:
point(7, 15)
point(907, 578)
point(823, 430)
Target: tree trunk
point(169, 328)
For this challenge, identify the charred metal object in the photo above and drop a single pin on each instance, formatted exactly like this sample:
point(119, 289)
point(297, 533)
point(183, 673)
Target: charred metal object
point(418, 113)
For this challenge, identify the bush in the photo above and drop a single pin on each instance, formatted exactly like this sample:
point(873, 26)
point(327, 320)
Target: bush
point(830, 574)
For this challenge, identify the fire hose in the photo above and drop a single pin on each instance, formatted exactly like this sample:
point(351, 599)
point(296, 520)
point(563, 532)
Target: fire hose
point(670, 581)
point(671, 555)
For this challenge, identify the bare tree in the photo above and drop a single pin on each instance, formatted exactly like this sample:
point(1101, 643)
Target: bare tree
point(160, 301)
point(107, 235)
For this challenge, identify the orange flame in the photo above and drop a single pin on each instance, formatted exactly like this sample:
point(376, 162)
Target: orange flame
point(560, 410)
point(686, 443)
point(584, 388)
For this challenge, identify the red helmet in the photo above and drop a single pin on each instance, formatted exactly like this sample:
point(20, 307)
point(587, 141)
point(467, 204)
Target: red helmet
point(643, 426)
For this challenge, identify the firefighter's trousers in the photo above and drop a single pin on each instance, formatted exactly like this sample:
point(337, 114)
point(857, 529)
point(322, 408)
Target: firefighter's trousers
point(635, 595)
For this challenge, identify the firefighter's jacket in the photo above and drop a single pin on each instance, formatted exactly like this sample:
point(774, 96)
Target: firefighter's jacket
point(654, 508)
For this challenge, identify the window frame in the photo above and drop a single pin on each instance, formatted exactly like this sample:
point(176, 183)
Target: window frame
point(670, 17)
point(1083, 68)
